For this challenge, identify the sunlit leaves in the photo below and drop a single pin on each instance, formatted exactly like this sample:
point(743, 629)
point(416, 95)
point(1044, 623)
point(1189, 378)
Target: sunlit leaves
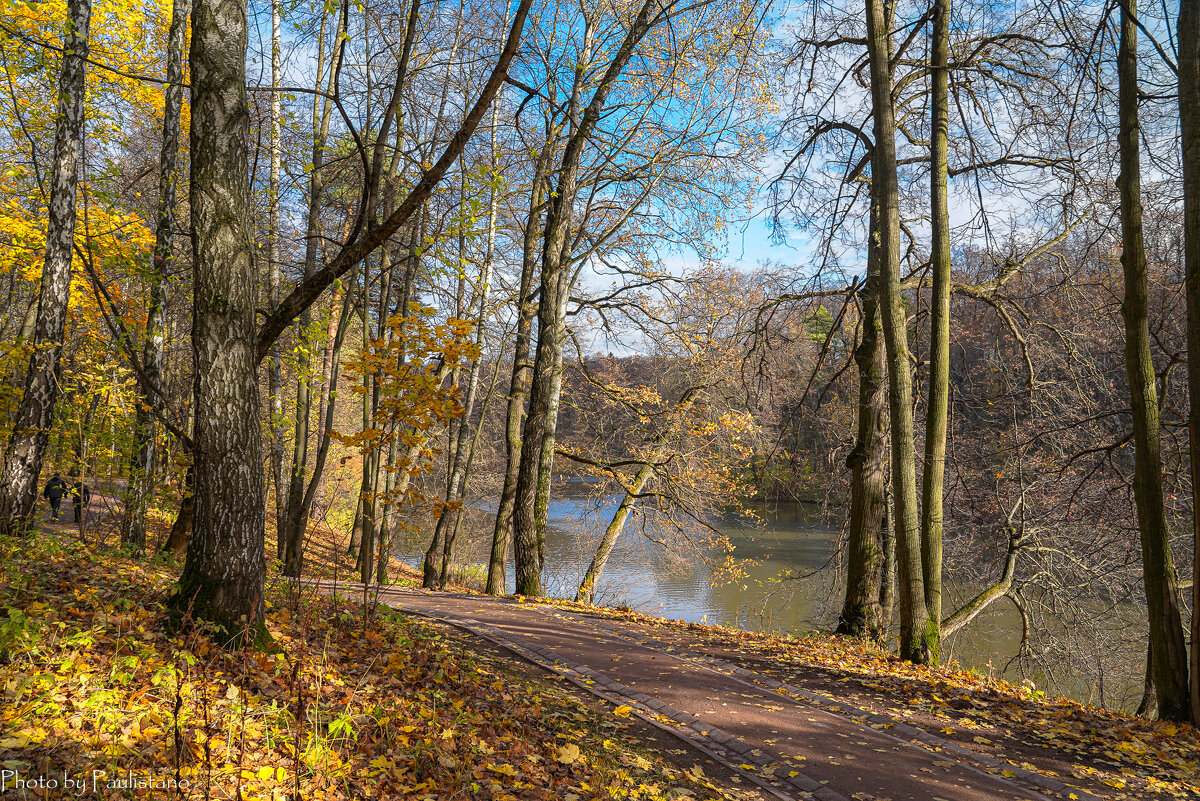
point(344, 707)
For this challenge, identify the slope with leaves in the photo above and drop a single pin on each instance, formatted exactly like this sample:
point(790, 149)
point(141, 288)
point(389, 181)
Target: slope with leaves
point(350, 702)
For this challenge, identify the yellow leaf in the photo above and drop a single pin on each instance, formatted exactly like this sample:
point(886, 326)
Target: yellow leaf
point(623, 711)
point(503, 770)
point(568, 754)
point(265, 773)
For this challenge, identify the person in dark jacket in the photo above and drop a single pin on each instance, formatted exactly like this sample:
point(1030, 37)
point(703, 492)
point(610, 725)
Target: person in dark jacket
point(55, 489)
point(81, 496)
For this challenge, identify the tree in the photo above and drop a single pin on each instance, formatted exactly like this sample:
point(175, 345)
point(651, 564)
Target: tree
point(864, 612)
point(918, 633)
point(142, 454)
point(518, 388)
point(1168, 653)
point(932, 480)
point(222, 581)
point(35, 414)
point(673, 85)
point(1189, 123)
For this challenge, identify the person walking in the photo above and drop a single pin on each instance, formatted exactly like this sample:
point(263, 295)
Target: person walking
point(55, 489)
point(81, 496)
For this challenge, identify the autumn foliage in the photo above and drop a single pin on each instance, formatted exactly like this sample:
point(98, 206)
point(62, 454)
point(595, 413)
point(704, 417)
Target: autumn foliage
point(349, 703)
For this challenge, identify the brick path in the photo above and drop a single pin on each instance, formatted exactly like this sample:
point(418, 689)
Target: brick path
point(776, 736)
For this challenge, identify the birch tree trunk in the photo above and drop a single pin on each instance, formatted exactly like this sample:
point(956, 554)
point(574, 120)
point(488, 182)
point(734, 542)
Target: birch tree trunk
point(35, 414)
point(1168, 652)
point(274, 365)
point(222, 581)
point(141, 463)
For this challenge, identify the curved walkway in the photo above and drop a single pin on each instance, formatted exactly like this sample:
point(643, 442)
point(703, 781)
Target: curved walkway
point(774, 735)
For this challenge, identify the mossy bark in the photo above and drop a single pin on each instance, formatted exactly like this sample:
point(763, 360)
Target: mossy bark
point(918, 641)
point(1168, 652)
point(1189, 124)
point(862, 612)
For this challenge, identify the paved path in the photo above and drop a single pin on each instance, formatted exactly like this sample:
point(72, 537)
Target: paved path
point(774, 735)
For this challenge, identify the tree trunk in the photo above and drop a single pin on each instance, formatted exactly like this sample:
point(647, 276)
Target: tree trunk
point(972, 608)
point(181, 530)
point(518, 389)
point(385, 521)
point(1168, 652)
point(527, 552)
point(292, 527)
point(274, 363)
point(862, 611)
point(464, 450)
point(1189, 119)
point(222, 581)
point(932, 479)
point(337, 334)
point(887, 588)
point(35, 413)
point(538, 442)
point(918, 634)
point(141, 462)
point(587, 587)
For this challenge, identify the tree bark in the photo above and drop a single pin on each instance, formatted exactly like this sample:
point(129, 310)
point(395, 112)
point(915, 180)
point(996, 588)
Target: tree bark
point(1168, 652)
point(1189, 123)
point(141, 462)
point(181, 529)
point(862, 611)
point(35, 414)
point(933, 476)
point(222, 581)
point(518, 388)
point(274, 362)
point(918, 634)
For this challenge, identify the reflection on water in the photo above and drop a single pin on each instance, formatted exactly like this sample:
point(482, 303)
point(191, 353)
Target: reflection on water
point(789, 584)
point(666, 572)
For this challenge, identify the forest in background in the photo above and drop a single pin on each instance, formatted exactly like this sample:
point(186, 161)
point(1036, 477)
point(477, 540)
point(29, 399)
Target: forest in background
point(370, 264)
